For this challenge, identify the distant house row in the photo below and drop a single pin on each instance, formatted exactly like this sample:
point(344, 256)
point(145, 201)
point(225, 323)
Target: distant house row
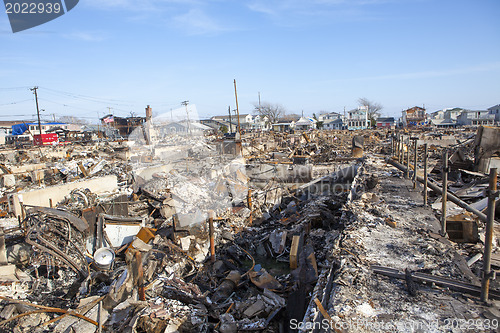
point(450, 117)
point(454, 117)
point(115, 127)
point(358, 119)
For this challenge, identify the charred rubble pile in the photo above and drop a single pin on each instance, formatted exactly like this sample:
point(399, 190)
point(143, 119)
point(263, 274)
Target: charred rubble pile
point(191, 238)
point(191, 249)
point(470, 155)
point(394, 269)
point(315, 147)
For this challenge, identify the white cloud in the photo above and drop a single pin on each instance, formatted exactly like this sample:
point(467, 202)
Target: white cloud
point(262, 8)
point(139, 5)
point(343, 9)
point(85, 36)
point(197, 22)
point(187, 15)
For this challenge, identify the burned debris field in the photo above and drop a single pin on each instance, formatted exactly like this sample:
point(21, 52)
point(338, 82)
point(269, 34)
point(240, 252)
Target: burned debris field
point(307, 231)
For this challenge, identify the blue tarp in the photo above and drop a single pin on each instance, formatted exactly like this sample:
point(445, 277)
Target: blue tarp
point(19, 129)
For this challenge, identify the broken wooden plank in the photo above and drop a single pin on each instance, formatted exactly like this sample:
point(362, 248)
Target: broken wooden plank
point(326, 315)
point(283, 242)
point(83, 169)
point(294, 252)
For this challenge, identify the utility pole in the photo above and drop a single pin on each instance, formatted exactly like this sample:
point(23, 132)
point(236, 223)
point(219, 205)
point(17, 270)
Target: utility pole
point(425, 174)
point(37, 111)
point(415, 153)
point(230, 125)
point(444, 195)
point(487, 273)
point(237, 108)
point(185, 103)
point(344, 118)
point(259, 104)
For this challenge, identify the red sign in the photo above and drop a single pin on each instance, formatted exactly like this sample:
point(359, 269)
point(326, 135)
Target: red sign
point(45, 139)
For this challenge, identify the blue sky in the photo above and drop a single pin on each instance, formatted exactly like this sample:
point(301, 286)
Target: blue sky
point(315, 55)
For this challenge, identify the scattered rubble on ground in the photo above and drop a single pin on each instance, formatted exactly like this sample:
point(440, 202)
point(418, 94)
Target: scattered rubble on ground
point(192, 236)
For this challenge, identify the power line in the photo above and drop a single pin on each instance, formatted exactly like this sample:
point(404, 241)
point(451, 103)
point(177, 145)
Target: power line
point(66, 105)
point(16, 115)
point(15, 88)
point(12, 103)
point(37, 111)
point(88, 98)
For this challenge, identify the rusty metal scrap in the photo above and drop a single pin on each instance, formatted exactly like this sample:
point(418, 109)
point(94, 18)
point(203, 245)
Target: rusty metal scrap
point(58, 233)
point(216, 256)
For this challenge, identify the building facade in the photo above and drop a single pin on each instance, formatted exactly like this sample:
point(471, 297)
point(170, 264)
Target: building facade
point(476, 118)
point(387, 123)
point(334, 124)
point(304, 124)
point(414, 117)
point(358, 119)
point(246, 120)
point(495, 111)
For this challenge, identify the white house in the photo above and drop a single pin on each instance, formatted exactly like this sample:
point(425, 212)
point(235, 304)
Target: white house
point(439, 114)
point(283, 126)
point(334, 124)
point(330, 116)
point(476, 118)
point(358, 118)
point(304, 124)
point(261, 123)
point(246, 120)
point(495, 110)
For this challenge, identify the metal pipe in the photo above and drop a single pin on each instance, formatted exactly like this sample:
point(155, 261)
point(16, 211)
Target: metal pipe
point(487, 274)
point(99, 236)
point(401, 150)
point(400, 154)
point(438, 190)
point(125, 219)
point(425, 174)
point(438, 280)
point(99, 317)
point(396, 146)
point(250, 206)
point(237, 108)
point(444, 196)
point(211, 233)
point(141, 290)
point(407, 158)
point(415, 163)
point(392, 146)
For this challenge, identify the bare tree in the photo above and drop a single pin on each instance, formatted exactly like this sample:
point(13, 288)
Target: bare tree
point(373, 109)
point(272, 111)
